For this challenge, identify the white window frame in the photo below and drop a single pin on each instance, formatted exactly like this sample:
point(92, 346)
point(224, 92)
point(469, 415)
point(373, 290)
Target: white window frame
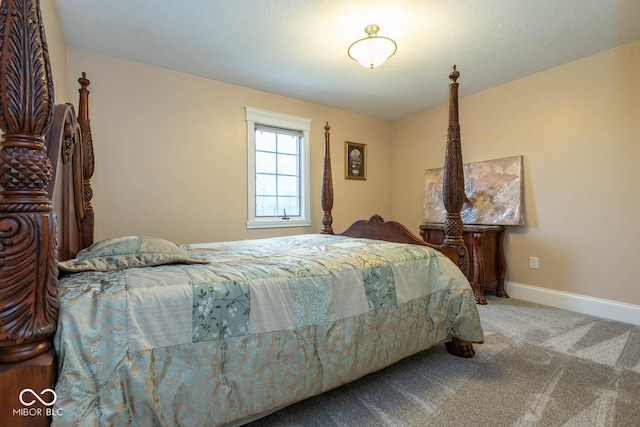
point(284, 121)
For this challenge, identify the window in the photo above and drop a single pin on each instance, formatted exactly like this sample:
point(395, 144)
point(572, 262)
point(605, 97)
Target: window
point(278, 169)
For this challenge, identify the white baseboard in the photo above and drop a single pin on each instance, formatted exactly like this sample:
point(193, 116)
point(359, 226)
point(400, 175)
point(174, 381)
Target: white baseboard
point(599, 307)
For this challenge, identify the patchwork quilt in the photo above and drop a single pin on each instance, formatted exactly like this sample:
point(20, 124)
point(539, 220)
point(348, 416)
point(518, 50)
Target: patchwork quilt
point(263, 324)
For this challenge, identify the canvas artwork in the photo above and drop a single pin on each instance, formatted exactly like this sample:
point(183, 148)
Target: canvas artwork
point(493, 188)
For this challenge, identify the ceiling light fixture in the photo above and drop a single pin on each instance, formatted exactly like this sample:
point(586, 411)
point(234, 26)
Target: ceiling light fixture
point(372, 50)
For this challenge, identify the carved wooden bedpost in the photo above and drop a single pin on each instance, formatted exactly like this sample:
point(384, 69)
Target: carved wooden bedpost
point(453, 183)
point(88, 159)
point(327, 186)
point(28, 256)
point(28, 265)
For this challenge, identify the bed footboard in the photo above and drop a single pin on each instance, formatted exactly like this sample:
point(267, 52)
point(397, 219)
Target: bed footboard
point(377, 228)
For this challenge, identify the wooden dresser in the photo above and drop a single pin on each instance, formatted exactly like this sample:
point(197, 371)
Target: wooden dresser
point(487, 264)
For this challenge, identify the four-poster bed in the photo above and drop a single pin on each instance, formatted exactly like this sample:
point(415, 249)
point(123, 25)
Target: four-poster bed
point(38, 178)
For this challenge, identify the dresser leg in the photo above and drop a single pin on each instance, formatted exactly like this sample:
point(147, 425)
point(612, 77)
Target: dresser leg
point(478, 292)
point(476, 279)
point(502, 267)
point(500, 292)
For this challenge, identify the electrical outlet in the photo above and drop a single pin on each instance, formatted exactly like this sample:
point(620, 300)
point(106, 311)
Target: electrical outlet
point(533, 262)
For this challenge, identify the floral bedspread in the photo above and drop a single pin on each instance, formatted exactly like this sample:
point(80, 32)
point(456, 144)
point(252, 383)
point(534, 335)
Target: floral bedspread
point(266, 323)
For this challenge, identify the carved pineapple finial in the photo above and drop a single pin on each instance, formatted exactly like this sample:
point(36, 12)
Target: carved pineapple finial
point(84, 81)
point(454, 74)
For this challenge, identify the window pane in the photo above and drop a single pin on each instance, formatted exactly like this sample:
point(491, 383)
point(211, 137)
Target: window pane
point(266, 206)
point(266, 185)
point(288, 144)
point(265, 162)
point(290, 204)
point(287, 186)
point(276, 184)
point(265, 141)
point(287, 164)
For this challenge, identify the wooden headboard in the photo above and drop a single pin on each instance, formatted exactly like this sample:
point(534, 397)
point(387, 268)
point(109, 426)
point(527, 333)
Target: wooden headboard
point(70, 148)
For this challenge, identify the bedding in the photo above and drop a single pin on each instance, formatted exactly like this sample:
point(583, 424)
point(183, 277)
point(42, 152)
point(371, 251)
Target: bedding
point(120, 253)
point(264, 323)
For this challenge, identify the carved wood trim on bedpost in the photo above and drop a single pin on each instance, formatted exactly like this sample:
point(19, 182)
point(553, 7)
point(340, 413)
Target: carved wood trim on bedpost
point(88, 160)
point(28, 253)
point(61, 145)
point(327, 186)
point(453, 183)
point(28, 264)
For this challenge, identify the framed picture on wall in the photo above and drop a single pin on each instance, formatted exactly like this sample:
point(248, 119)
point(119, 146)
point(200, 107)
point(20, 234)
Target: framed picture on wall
point(355, 160)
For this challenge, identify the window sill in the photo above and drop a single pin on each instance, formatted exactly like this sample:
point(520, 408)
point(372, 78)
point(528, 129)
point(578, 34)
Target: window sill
point(279, 223)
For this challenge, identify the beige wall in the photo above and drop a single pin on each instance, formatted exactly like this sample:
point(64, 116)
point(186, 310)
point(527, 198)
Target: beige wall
point(171, 153)
point(577, 127)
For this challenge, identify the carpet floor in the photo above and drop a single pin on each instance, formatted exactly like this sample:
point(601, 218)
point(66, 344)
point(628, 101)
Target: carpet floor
point(538, 366)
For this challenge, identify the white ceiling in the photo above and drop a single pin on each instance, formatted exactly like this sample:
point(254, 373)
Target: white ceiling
point(298, 48)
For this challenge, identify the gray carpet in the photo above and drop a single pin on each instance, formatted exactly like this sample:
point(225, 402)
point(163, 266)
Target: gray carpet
point(539, 366)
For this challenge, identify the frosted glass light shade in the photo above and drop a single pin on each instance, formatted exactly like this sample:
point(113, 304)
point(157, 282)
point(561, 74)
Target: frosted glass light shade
point(373, 50)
